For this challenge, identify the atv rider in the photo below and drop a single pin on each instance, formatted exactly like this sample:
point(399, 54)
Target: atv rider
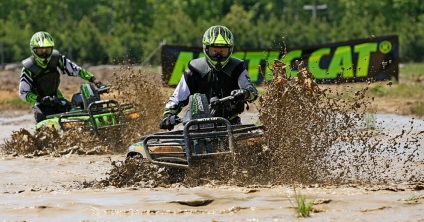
point(40, 77)
point(215, 75)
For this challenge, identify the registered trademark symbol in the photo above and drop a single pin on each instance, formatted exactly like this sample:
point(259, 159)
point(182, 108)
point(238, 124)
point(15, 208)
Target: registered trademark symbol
point(385, 47)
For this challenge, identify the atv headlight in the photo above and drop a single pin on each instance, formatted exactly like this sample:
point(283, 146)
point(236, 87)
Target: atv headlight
point(132, 116)
point(73, 124)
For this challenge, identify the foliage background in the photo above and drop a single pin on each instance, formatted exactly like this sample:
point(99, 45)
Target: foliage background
point(112, 32)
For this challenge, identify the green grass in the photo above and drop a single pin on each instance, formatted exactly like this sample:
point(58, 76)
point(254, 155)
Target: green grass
point(419, 110)
point(369, 121)
point(411, 68)
point(409, 87)
point(379, 90)
point(302, 206)
point(414, 199)
point(411, 82)
point(14, 102)
point(400, 90)
point(411, 73)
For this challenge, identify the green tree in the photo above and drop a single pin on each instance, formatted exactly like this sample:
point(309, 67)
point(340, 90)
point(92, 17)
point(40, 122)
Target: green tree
point(106, 31)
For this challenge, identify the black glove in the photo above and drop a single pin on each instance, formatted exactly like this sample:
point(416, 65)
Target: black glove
point(167, 122)
point(49, 100)
point(240, 94)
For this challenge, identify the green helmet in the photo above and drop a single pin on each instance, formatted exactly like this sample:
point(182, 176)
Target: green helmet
point(41, 45)
point(218, 37)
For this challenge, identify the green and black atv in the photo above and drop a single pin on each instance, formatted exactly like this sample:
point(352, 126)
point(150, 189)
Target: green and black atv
point(89, 112)
point(203, 136)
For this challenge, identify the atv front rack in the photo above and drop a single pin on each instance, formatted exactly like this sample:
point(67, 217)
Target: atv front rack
point(100, 115)
point(200, 138)
point(116, 118)
point(194, 142)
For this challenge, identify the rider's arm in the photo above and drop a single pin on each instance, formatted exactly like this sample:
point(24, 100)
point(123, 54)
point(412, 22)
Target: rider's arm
point(71, 69)
point(25, 86)
point(179, 98)
point(244, 82)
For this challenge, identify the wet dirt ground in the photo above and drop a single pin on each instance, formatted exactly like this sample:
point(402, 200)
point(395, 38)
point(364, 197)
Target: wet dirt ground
point(49, 188)
point(61, 188)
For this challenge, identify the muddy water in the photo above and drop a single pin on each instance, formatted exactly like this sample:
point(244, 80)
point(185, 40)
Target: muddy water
point(58, 189)
point(13, 121)
point(51, 189)
point(229, 204)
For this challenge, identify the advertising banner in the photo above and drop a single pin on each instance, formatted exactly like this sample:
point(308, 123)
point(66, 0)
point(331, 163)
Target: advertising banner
point(351, 61)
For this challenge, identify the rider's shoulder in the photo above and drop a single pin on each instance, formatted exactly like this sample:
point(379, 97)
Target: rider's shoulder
point(235, 60)
point(234, 67)
point(199, 65)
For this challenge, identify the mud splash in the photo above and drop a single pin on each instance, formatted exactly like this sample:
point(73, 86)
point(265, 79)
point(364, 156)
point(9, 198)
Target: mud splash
point(129, 85)
point(320, 136)
point(313, 136)
point(144, 90)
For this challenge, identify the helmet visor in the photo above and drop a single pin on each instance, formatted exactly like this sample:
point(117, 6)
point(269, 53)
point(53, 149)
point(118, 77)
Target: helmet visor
point(43, 52)
point(219, 51)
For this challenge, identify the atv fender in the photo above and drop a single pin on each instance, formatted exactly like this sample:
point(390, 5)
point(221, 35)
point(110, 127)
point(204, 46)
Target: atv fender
point(49, 123)
point(136, 149)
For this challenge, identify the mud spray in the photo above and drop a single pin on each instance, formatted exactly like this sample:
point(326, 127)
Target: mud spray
point(313, 135)
point(141, 89)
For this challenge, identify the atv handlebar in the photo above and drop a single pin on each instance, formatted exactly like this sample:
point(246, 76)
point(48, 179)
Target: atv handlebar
point(216, 103)
point(215, 100)
point(103, 90)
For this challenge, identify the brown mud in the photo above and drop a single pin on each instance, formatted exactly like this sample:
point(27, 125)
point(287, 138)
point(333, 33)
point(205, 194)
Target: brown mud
point(317, 144)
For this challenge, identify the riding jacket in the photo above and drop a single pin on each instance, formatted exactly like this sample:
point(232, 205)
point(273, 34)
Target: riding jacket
point(199, 77)
point(36, 81)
